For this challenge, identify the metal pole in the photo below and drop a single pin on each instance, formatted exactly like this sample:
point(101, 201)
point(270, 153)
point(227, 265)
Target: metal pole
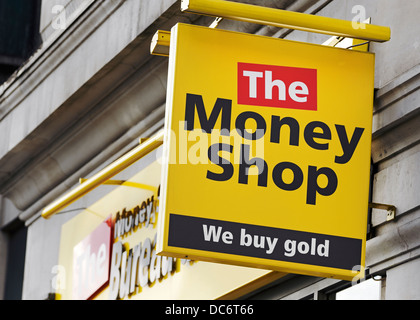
point(287, 19)
point(104, 175)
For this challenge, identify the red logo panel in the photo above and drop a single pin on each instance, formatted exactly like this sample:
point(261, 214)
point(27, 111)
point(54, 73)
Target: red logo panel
point(276, 86)
point(91, 262)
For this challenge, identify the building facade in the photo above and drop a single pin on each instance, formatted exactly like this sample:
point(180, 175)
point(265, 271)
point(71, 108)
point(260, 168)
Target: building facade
point(92, 89)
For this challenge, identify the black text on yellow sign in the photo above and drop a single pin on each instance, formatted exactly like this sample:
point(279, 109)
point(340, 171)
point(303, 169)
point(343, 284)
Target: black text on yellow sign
point(314, 132)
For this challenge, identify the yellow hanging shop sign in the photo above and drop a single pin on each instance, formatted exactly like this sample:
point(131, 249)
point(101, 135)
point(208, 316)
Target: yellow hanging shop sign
point(270, 139)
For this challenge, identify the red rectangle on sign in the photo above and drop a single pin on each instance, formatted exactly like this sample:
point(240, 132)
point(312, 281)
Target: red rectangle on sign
point(91, 261)
point(277, 86)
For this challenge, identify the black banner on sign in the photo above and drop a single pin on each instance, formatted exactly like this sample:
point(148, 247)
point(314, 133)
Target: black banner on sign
point(264, 242)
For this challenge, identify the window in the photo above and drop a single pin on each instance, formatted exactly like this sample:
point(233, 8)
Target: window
point(366, 290)
point(15, 263)
point(19, 33)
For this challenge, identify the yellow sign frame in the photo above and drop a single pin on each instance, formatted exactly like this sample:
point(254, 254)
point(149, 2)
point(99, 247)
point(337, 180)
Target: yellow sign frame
point(204, 68)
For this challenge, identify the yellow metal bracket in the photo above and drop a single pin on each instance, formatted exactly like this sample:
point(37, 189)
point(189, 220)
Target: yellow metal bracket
point(161, 40)
point(104, 175)
point(160, 43)
point(391, 210)
point(287, 19)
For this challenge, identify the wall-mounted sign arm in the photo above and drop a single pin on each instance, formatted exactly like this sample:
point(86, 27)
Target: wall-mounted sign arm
point(287, 19)
point(160, 43)
point(104, 175)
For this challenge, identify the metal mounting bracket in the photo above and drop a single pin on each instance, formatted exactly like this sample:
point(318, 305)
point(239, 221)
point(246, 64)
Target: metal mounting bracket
point(160, 43)
point(391, 210)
